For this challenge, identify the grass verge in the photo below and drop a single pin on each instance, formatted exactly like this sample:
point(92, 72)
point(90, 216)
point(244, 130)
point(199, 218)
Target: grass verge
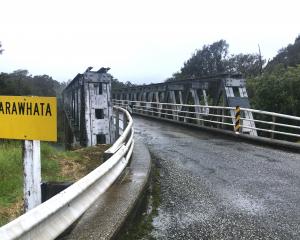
point(56, 166)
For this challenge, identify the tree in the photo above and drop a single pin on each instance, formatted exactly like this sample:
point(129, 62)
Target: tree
point(288, 56)
point(116, 84)
point(19, 80)
point(213, 60)
point(207, 61)
point(20, 83)
point(276, 90)
point(249, 65)
point(1, 49)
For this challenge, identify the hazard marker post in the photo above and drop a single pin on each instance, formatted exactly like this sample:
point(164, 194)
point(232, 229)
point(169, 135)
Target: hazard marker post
point(237, 119)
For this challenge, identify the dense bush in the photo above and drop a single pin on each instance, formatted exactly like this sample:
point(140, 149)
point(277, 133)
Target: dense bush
point(277, 90)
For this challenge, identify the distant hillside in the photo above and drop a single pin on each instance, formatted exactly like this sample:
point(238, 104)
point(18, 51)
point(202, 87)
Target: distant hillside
point(20, 83)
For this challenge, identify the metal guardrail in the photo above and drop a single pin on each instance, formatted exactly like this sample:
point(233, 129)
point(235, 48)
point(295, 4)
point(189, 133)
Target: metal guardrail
point(265, 124)
point(51, 218)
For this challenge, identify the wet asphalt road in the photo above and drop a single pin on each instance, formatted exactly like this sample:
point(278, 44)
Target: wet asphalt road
point(216, 188)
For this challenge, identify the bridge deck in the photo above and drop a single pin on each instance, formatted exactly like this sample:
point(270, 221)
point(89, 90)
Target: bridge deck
point(215, 188)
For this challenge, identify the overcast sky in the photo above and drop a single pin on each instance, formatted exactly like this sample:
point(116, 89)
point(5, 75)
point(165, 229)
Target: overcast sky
point(141, 41)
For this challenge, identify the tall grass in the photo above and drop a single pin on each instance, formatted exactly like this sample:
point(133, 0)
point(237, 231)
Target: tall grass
point(11, 169)
point(11, 180)
point(11, 172)
point(11, 176)
point(50, 167)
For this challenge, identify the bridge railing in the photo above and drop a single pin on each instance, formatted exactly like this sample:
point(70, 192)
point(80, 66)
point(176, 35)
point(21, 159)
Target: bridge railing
point(254, 122)
point(51, 218)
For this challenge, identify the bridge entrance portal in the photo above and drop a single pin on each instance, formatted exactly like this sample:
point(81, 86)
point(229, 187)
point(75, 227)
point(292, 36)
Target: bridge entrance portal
point(88, 109)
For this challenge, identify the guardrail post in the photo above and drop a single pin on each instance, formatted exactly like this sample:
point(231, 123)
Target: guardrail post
point(273, 126)
point(124, 121)
point(237, 119)
point(223, 118)
point(132, 105)
point(220, 119)
point(117, 124)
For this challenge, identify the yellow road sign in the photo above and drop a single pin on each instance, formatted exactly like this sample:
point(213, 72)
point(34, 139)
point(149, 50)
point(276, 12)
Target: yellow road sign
point(30, 118)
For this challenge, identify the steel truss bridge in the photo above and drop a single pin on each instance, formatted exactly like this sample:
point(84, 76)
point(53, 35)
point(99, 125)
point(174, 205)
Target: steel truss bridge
point(208, 102)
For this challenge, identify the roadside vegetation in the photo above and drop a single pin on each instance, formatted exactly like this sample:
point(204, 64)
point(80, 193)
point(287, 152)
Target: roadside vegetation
point(140, 225)
point(57, 166)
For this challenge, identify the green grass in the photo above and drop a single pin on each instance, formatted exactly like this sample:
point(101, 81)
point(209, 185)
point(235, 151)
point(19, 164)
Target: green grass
point(50, 164)
point(51, 167)
point(11, 172)
point(11, 179)
point(11, 175)
point(56, 165)
point(11, 169)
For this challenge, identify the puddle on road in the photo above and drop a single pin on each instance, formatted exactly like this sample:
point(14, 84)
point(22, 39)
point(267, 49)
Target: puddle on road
point(178, 219)
point(244, 203)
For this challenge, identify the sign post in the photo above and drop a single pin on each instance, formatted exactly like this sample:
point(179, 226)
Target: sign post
point(32, 174)
point(30, 119)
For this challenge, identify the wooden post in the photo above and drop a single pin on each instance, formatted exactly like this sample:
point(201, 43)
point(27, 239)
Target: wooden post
point(32, 174)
